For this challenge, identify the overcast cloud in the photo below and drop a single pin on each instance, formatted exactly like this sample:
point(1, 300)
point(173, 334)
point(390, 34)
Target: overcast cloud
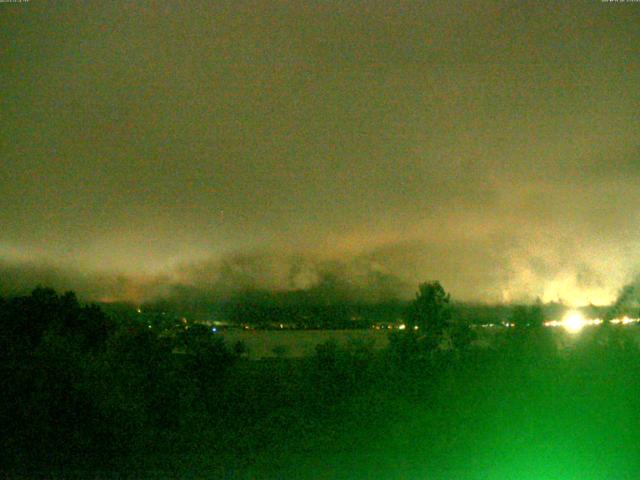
point(494, 146)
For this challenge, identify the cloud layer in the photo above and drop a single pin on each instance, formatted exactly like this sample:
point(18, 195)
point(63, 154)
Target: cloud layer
point(491, 145)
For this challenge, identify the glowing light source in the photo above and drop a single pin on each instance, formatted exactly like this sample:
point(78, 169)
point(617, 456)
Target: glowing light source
point(573, 321)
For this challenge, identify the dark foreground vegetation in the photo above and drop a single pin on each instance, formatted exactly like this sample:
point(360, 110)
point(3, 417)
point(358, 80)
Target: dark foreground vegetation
point(84, 396)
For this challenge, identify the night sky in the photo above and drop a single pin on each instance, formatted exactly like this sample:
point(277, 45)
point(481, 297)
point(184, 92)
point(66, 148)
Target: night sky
point(494, 146)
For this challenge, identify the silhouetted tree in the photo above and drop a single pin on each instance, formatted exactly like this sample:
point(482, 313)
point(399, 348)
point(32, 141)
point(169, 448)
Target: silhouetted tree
point(47, 342)
point(430, 312)
point(25, 321)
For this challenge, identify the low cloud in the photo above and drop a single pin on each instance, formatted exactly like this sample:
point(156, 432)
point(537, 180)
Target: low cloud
point(359, 279)
point(496, 266)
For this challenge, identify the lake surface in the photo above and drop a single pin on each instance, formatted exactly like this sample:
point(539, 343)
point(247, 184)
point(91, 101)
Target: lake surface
point(301, 343)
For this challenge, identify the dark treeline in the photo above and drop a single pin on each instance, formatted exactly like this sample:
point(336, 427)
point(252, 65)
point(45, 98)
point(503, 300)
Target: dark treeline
point(86, 391)
point(265, 309)
point(300, 309)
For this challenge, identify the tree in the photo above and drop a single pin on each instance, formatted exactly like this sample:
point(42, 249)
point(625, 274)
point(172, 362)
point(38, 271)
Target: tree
point(26, 321)
point(430, 313)
point(430, 310)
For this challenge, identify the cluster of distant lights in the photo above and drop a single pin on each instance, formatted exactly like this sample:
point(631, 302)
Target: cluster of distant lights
point(402, 326)
point(574, 321)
